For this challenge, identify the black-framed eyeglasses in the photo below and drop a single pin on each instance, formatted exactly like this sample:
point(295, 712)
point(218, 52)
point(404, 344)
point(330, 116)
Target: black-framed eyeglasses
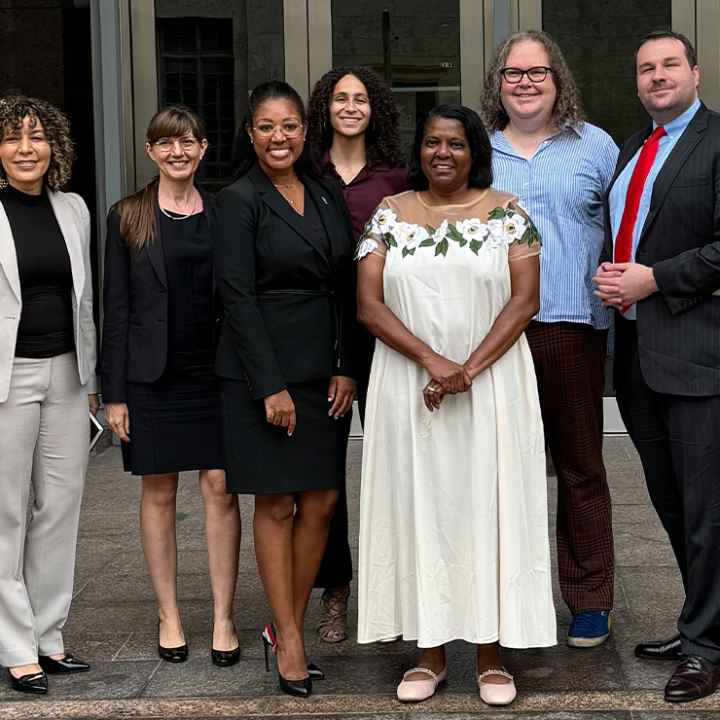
point(515, 75)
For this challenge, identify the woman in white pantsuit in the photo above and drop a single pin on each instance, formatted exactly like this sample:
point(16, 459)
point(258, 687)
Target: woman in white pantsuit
point(47, 382)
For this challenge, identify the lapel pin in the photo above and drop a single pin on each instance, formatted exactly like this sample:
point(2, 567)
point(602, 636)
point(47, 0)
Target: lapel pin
point(322, 197)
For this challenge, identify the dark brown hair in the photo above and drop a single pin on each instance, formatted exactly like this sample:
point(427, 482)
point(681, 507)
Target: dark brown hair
point(670, 35)
point(382, 137)
point(137, 211)
point(568, 111)
point(15, 108)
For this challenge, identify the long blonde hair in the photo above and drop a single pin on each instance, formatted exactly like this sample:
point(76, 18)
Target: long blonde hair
point(137, 211)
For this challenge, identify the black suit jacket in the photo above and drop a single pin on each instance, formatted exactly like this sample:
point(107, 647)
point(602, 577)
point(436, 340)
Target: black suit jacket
point(135, 308)
point(288, 299)
point(678, 327)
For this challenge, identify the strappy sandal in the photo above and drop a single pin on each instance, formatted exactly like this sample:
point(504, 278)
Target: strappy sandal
point(419, 690)
point(497, 693)
point(332, 627)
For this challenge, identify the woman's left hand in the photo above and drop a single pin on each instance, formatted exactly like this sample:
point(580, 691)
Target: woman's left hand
point(93, 404)
point(341, 393)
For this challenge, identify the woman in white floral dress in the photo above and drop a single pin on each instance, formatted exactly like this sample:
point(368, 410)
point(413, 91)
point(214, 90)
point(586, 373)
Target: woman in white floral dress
point(453, 520)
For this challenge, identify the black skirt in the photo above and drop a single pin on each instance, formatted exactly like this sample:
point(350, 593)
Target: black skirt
point(260, 458)
point(174, 426)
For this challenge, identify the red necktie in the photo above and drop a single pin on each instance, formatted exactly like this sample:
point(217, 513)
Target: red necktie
point(623, 240)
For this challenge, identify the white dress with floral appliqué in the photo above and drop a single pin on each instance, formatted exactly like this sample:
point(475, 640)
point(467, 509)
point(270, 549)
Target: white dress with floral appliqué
point(453, 519)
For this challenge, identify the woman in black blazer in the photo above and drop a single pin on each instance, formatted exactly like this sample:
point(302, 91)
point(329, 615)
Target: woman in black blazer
point(285, 277)
point(158, 385)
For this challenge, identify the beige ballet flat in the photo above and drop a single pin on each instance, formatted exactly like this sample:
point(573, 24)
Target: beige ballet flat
point(497, 693)
point(419, 690)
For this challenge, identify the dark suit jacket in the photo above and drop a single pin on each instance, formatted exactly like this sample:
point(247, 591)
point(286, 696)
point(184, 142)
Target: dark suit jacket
point(679, 326)
point(135, 309)
point(289, 309)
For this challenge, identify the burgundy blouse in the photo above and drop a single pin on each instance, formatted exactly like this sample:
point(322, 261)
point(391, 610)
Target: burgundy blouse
point(365, 191)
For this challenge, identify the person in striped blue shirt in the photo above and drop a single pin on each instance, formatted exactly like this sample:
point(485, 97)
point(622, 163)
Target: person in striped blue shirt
point(559, 166)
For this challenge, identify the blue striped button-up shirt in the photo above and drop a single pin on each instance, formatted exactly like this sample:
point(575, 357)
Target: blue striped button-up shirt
point(619, 190)
point(562, 187)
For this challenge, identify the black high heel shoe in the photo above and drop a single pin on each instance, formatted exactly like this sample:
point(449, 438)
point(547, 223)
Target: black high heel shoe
point(298, 688)
point(225, 658)
point(269, 638)
point(174, 654)
point(33, 683)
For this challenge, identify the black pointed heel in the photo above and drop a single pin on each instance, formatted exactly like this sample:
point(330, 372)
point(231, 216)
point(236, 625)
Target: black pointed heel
point(298, 688)
point(269, 641)
point(172, 655)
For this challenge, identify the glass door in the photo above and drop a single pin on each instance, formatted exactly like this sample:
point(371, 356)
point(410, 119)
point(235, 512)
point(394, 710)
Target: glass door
point(428, 52)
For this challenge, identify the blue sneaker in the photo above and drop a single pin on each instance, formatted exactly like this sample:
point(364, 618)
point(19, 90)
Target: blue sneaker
point(589, 628)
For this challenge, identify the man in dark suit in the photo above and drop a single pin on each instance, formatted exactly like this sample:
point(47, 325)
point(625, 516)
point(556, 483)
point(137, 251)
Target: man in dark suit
point(661, 272)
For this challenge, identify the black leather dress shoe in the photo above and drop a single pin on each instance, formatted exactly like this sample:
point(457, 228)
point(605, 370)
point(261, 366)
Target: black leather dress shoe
point(33, 683)
point(694, 678)
point(670, 649)
point(68, 664)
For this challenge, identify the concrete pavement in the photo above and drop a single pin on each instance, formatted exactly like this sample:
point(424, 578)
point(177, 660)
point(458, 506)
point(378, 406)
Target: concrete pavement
point(113, 625)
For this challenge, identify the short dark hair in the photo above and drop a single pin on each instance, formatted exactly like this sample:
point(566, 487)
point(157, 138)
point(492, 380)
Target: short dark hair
point(243, 153)
point(478, 140)
point(690, 53)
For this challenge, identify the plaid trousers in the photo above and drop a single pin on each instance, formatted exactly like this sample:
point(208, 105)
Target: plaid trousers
point(569, 363)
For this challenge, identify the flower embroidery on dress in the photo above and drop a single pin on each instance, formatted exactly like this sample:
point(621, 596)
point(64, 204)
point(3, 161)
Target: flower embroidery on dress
point(504, 226)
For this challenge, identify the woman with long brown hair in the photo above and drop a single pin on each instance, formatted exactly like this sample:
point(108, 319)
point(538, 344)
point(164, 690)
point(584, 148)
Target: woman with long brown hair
point(158, 385)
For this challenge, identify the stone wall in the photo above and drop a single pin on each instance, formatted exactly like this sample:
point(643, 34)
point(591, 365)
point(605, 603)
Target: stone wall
point(598, 38)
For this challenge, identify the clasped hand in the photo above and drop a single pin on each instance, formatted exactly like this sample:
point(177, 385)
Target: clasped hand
point(446, 378)
point(621, 285)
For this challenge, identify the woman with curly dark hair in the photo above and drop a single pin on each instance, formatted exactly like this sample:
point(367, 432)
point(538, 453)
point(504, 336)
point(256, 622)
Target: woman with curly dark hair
point(354, 140)
point(47, 384)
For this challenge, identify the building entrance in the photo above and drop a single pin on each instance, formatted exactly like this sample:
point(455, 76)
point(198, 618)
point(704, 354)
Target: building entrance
point(209, 55)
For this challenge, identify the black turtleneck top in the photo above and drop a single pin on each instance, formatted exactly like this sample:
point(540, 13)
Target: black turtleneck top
point(46, 323)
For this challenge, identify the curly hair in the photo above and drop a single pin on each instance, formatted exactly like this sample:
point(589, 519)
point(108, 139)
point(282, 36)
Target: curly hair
point(382, 137)
point(568, 111)
point(15, 108)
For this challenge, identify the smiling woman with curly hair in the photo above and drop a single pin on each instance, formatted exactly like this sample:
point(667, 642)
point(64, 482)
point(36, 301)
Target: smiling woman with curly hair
point(354, 140)
point(15, 108)
point(47, 384)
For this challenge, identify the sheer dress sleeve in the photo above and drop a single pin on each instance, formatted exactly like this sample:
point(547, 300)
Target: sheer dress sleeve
point(372, 240)
point(525, 241)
